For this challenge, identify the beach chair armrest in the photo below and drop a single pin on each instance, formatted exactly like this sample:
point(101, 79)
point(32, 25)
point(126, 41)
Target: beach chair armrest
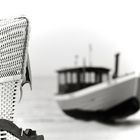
point(13, 129)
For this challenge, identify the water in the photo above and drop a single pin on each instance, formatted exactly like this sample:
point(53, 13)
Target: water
point(39, 111)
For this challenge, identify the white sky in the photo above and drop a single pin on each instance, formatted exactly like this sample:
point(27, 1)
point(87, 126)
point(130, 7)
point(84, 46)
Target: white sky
point(60, 29)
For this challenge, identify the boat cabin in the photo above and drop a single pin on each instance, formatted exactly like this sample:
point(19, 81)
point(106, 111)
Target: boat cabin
point(73, 79)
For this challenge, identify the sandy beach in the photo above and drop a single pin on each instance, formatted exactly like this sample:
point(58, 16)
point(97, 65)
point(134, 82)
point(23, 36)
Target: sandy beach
point(38, 110)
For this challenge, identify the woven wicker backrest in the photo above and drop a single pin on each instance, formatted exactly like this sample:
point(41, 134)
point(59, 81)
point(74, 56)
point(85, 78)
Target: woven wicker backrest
point(13, 61)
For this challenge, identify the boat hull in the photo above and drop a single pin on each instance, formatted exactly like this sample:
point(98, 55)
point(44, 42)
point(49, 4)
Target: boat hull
point(122, 110)
point(114, 99)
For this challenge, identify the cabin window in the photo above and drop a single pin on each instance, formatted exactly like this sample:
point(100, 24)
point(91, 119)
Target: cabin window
point(82, 77)
point(89, 77)
point(92, 79)
point(69, 78)
point(74, 78)
point(98, 77)
point(62, 79)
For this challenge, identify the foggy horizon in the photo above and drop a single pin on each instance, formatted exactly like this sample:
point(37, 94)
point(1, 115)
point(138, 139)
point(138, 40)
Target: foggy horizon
point(62, 29)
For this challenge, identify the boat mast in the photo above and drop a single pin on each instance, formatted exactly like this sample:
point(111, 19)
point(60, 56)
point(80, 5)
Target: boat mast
point(84, 70)
point(76, 60)
point(84, 62)
point(90, 55)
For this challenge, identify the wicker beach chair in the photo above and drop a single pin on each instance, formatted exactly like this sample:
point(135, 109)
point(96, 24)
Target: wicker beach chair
point(14, 73)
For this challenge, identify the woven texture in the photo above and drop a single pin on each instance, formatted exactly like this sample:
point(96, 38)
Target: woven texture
point(13, 40)
point(12, 47)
